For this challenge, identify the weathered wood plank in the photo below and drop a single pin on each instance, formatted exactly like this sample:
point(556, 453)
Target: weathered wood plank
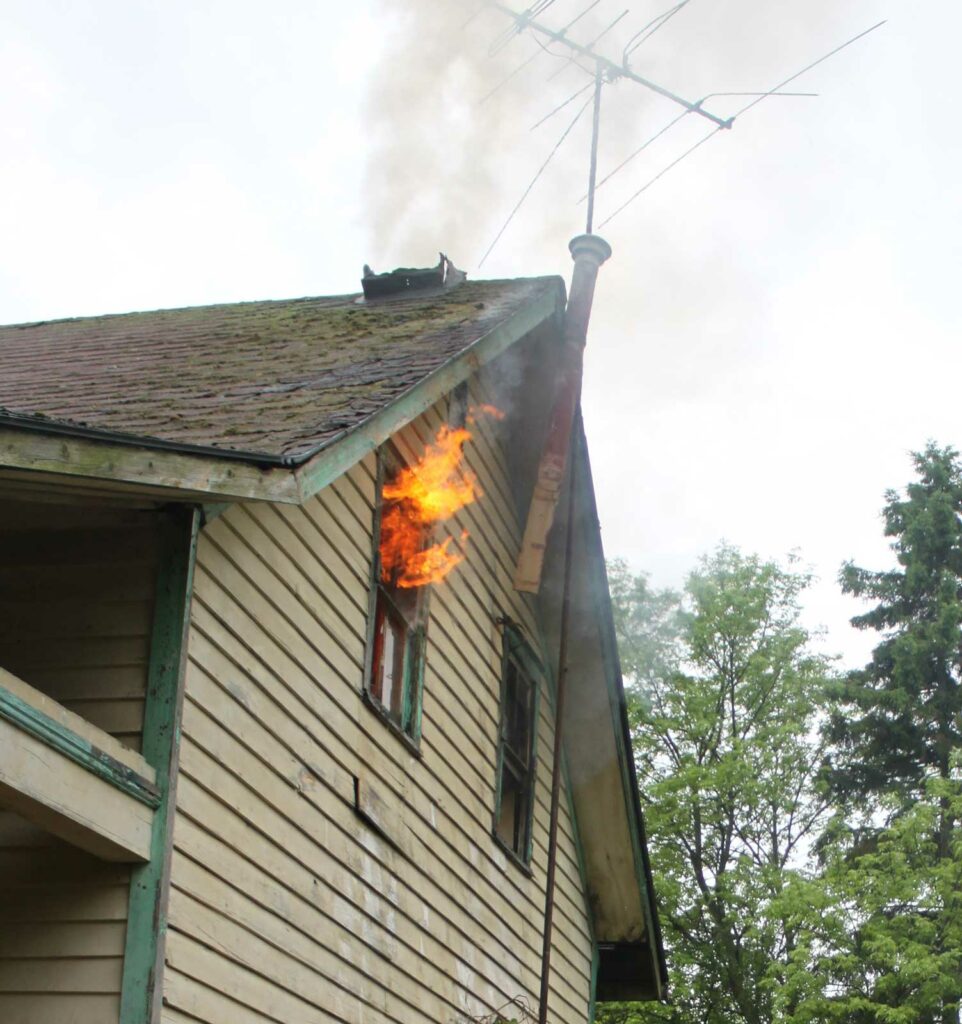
point(63, 939)
point(47, 787)
point(142, 470)
point(101, 975)
point(77, 1008)
point(324, 713)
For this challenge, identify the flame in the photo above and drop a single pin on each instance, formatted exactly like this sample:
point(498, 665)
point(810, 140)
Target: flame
point(484, 410)
point(421, 496)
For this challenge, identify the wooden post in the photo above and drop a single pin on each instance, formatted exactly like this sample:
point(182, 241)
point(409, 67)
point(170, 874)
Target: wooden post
point(589, 252)
point(142, 987)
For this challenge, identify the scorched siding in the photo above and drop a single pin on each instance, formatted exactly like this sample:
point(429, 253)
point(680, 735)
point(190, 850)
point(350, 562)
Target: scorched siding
point(285, 905)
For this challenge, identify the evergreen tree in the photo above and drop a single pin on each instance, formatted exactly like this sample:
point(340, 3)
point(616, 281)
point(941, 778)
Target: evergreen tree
point(891, 948)
point(900, 718)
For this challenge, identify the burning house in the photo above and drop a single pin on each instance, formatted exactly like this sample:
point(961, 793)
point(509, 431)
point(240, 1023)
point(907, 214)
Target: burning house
point(278, 726)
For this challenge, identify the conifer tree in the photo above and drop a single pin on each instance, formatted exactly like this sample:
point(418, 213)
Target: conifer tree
point(899, 719)
point(890, 946)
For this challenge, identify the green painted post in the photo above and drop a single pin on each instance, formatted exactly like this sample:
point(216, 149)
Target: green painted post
point(142, 988)
point(592, 998)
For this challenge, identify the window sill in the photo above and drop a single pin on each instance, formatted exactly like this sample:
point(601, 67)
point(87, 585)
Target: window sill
point(523, 866)
point(412, 745)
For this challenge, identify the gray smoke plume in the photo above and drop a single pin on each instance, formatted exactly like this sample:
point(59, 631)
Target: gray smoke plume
point(452, 148)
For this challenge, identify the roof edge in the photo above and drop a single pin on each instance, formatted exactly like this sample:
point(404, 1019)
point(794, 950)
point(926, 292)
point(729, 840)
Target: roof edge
point(46, 446)
point(335, 457)
point(619, 708)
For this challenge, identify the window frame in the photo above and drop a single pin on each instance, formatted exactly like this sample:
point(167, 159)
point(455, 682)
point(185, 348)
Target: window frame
point(516, 651)
point(407, 724)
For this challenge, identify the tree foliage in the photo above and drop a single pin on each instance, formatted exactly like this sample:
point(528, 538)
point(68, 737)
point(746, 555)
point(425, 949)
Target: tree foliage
point(899, 719)
point(893, 853)
point(722, 693)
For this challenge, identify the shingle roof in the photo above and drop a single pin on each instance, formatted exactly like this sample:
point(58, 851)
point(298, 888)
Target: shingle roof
point(271, 379)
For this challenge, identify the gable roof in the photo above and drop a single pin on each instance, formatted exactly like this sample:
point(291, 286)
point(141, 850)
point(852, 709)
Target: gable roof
point(269, 382)
point(222, 414)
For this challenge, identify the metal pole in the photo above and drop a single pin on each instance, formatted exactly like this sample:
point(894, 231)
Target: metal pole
point(595, 124)
point(558, 737)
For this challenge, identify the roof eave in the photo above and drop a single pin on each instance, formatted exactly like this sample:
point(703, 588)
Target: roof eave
point(190, 471)
point(649, 955)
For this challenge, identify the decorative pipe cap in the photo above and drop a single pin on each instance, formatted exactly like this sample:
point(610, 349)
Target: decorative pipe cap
point(591, 247)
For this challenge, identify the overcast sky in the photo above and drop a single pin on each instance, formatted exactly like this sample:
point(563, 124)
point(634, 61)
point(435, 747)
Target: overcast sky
point(778, 327)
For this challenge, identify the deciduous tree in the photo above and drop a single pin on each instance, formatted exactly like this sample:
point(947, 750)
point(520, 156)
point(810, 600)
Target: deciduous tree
point(724, 691)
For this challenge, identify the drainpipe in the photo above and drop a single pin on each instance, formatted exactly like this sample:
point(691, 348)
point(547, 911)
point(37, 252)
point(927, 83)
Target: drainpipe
point(589, 252)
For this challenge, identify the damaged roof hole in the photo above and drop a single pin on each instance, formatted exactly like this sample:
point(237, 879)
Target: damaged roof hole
point(411, 279)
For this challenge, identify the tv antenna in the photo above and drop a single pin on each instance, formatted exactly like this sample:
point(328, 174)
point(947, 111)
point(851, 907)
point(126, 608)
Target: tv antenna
point(605, 71)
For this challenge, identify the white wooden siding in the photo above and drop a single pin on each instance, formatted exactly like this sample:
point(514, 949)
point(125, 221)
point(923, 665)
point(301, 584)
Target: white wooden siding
point(285, 905)
point(75, 618)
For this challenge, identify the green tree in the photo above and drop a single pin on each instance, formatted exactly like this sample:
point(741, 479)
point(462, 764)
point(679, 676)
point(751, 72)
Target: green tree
point(893, 852)
point(723, 691)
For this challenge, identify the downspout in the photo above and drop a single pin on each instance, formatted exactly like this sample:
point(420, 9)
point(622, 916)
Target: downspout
point(589, 252)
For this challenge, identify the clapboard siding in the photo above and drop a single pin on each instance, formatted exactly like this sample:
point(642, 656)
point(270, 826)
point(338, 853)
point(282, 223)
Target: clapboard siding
point(285, 905)
point(75, 618)
point(62, 920)
point(76, 608)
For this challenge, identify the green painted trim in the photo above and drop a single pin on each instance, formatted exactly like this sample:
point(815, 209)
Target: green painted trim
point(142, 987)
point(515, 647)
point(597, 582)
point(412, 684)
point(78, 749)
point(347, 449)
point(569, 793)
point(212, 510)
point(593, 991)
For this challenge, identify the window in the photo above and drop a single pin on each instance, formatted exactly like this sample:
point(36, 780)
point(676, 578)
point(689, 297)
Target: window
point(395, 663)
point(520, 674)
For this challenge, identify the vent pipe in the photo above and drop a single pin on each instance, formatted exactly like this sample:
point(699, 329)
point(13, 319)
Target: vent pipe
point(588, 252)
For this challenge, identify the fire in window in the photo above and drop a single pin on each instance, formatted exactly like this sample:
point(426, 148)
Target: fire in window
point(414, 504)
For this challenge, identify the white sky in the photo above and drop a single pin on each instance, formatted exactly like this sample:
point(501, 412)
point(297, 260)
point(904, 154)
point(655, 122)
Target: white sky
point(778, 326)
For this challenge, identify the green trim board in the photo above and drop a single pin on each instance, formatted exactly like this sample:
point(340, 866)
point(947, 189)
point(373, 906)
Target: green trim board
point(597, 583)
point(138, 467)
point(515, 648)
point(407, 725)
point(593, 990)
point(77, 748)
point(346, 450)
point(142, 986)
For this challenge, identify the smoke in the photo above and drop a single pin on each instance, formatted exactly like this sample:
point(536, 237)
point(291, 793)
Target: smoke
point(451, 146)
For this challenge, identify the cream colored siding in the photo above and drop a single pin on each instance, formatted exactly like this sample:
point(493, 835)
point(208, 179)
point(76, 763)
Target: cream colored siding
point(75, 620)
point(62, 920)
point(285, 905)
point(75, 611)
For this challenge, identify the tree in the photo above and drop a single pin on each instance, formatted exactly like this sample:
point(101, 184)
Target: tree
point(723, 692)
point(896, 735)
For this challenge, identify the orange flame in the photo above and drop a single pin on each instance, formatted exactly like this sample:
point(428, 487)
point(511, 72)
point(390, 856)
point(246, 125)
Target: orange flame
point(484, 410)
point(431, 491)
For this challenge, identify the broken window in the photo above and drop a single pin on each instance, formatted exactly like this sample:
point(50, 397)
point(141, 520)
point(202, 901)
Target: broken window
point(395, 672)
point(520, 675)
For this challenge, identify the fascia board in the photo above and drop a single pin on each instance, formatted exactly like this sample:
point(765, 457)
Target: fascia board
point(601, 599)
point(140, 468)
point(347, 449)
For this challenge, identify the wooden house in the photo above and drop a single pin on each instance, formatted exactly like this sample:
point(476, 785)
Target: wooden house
point(245, 774)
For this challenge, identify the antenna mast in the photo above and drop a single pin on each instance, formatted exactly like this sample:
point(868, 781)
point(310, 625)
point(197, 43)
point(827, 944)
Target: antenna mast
point(525, 20)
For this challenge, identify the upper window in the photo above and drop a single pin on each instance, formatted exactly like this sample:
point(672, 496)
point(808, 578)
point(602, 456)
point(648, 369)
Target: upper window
point(396, 649)
point(417, 543)
point(520, 674)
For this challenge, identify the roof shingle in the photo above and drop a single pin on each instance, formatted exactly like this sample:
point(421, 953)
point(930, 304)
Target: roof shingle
point(275, 379)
